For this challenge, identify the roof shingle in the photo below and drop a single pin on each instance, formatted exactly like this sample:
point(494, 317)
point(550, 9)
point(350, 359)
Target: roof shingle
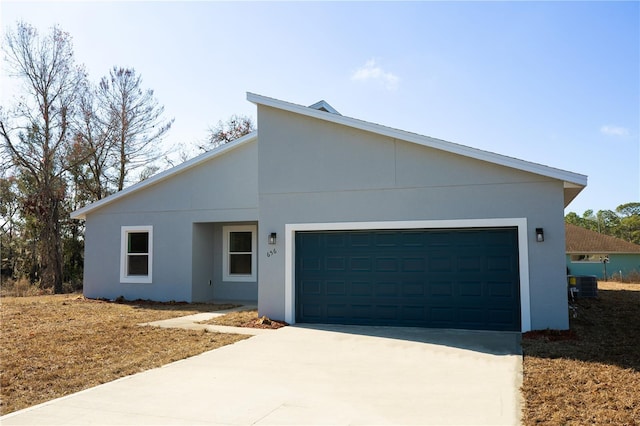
point(581, 240)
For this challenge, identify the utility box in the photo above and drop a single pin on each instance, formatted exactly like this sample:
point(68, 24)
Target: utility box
point(586, 285)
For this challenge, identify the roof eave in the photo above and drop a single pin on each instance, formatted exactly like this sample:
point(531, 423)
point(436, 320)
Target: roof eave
point(571, 191)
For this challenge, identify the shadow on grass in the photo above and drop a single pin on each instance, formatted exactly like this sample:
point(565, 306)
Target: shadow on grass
point(171, 305)
point(605, 331)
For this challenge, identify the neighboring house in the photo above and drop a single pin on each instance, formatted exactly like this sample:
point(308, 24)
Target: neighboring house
point(323, 218)
point(587, 252)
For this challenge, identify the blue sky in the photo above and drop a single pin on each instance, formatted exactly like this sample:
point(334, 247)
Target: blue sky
point(556, 83)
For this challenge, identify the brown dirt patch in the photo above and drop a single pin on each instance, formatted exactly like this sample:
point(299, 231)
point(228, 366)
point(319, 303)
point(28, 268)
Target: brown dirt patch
point(51, 346)
point(591, 373)
point(247, 318)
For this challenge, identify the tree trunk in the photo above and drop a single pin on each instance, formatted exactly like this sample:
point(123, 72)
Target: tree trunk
point(51, 247)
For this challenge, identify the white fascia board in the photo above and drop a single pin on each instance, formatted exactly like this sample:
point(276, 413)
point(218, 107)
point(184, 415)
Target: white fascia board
point(82, 212)
point(568, 177)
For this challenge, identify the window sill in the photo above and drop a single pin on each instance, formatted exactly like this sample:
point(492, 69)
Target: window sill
point(239, 278)
point(135, 280)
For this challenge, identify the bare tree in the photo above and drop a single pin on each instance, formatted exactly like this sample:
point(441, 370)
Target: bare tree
point(136, 121)
point(93, 146)
point(224, 132)
point(35, 133)
point(9, 224)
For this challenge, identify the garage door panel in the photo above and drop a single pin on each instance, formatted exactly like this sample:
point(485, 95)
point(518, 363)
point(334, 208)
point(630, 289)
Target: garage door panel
point(386, 312)
point(471, 316)
point(386, 264)
point(336, 241)
point(441, 316)
point(334, 263)
point(414, 313)
point(360, 288)
point(362, 264)
point(412, 240)
point(443, 278)
point(469, 289)
point(440, 288)
point(386, 239)
point(337, 311)
point(500, 316)
point(336, 288)
point(472, 263)
point(310, 264)
point(500, 289)
point(414, 264)
point(311, 311)
point(439, 263)
point(310, 287)
point(361, 240)
point(439, 239)
point(500, 263)
point(413, 289)
point(386, 289)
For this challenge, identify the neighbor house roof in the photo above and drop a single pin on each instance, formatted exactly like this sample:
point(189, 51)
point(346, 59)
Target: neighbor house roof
point(573, 182)
point(582, 240)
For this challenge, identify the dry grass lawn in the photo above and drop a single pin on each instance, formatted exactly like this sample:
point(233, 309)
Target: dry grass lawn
point(590, 375)
point(52, 346)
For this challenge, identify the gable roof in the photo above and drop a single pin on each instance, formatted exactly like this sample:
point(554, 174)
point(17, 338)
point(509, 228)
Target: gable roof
point(573, 182)
point(582, 240)
point(180, 168)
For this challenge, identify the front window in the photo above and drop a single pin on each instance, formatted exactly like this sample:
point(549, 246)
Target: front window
point(136, 254)
point(239, 262)
point(588, 258)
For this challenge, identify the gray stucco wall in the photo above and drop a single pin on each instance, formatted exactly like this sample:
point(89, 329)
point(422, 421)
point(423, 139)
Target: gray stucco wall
point(182, 211)
point(315, 171)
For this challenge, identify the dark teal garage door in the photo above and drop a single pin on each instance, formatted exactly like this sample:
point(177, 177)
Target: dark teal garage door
point(455, 278)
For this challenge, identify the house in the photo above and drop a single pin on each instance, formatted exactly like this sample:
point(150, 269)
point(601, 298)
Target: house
point(323, 218)
point(593, 253)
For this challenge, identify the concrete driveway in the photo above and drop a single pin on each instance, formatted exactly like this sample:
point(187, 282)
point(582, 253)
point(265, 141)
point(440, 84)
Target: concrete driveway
point(314, 375)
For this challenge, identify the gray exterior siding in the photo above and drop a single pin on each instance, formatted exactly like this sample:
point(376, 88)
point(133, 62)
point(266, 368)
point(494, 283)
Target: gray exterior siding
point(182, 211)
point(315, 172)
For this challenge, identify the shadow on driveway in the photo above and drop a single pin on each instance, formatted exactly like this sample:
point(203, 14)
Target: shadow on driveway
point(489, 342)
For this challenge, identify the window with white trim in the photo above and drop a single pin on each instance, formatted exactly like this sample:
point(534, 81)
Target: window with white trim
point(136, 254)
point(239, 253)
point(589, 258)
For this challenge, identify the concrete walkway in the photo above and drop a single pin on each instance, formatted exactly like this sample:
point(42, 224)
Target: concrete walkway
point(193, 322)
point(314, 375)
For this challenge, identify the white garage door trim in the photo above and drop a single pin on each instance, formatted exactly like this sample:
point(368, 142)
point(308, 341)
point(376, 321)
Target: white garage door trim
point(519, 223)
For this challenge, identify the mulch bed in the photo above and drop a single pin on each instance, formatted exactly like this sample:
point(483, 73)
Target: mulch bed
point(248, 319)
point(550, 335)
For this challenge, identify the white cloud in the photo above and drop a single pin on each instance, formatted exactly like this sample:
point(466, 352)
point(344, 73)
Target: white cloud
point(371, 71)
point(614, 131)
